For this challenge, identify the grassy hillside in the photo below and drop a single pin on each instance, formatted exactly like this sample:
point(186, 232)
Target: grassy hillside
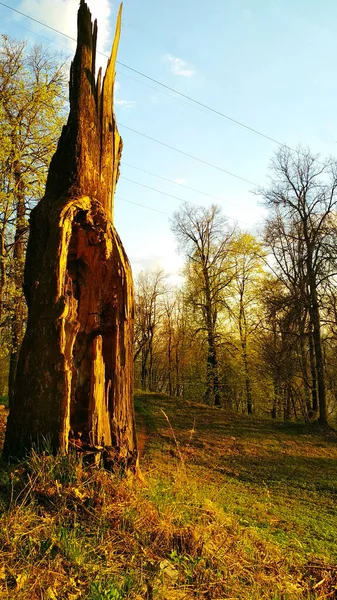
point(225, 507)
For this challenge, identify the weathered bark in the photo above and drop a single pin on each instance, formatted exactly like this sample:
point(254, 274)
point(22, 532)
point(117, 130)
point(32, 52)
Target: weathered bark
point(75, 371)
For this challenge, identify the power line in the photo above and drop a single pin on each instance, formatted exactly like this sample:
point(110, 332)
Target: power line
point(152, 87)
point(133, 130)
point(163, 85)
point(166, 93)
point(149, 137)
point(170, 196)
point(120, 73)
point(205, 162)
point(143, 206)
point(175, 197)
point(153, 189)
point(37, 21)
point(209, 108)
point(138, 132)
point(41, 36)
point(187, 187)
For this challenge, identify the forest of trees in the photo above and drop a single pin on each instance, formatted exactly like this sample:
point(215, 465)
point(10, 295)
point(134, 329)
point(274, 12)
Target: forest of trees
point(252, 327)
point(33, 85)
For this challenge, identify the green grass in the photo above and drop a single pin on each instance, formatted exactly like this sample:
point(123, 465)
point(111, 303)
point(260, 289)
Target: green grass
point(277, 480)
point(228, 507)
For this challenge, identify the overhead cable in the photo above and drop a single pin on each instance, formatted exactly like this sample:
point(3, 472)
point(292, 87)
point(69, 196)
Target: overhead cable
point(201, 160)
point(163, 85)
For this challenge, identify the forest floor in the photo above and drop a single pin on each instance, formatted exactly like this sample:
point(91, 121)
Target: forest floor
point(225, 507)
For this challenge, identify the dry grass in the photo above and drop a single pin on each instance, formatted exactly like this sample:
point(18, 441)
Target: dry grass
point(192, 529)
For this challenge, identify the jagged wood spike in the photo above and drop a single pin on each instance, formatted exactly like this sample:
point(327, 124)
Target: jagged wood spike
point(110, 168)
point(75, 372)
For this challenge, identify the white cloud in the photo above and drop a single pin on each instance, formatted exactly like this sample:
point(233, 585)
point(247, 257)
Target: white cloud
point(180, 181)
point(179, 67)
point(171, 263)
point(125, 103)
point(120, 101)
point(62, 15)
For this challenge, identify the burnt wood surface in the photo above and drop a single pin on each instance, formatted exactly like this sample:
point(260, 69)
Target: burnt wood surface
point(74, 384)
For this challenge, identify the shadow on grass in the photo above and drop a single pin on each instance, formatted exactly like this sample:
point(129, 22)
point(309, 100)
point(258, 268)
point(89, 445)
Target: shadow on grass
point(253, 450)
point(209, 418)
point(296, 472)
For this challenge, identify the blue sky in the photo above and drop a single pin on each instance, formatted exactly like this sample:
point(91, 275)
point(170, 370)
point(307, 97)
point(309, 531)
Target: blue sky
point(268, 63)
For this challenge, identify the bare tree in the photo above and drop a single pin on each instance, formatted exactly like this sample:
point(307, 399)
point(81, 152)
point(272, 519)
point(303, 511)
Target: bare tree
point(204, 236)
point(149, 288)
point(288, 248)
point(278, 338)
point(302, 197)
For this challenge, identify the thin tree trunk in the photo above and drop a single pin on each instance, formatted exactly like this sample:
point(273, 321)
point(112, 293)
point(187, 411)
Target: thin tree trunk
point(316, 328)
point(314, 400)
point(144, 370)
point(3, 274)
point(275, 399)
point(75, 370)
point(248, 388)
point(293, 402)
point(243, 339)
point(18, 256)
point(150, 369)
point(319, 360)
point(169, 358)
point(304, 368)
point(212, 379)
point(179, 388)
point(286, 403)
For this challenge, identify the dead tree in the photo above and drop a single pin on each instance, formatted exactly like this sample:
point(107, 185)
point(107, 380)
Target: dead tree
point(75, 372)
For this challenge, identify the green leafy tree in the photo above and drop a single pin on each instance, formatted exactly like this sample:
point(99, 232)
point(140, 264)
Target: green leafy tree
point(248, 273)
point(32, 103)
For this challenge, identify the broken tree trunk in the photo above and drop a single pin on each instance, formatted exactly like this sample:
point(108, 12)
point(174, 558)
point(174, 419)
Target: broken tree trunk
point(74, 379)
